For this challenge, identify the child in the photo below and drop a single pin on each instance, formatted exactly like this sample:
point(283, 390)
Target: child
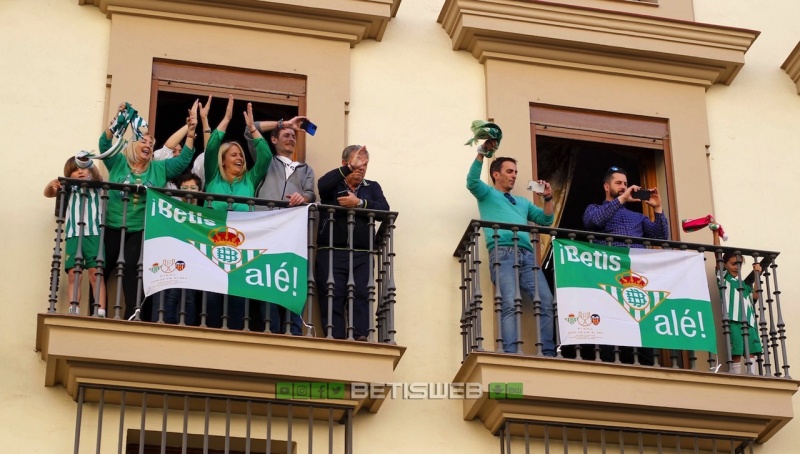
point(731, 297)
point(81, 207)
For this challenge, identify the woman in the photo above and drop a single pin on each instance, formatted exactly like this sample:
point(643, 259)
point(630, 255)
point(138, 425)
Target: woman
point(135, 165)
point(225, 164)
point(227, 174)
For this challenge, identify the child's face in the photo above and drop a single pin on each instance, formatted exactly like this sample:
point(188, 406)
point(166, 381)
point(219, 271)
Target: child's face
point(83, 174)
point(732, 266)
point(190, 185)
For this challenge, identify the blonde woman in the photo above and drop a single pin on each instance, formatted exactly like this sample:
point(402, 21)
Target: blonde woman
point(226, 167)
point(135, 165)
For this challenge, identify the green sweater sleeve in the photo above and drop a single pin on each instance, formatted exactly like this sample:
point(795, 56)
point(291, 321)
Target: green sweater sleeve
point(537, 215)
point(477, 187)
point(103, 145)
point(212, 151)
point(175, 166)
point(263, 160)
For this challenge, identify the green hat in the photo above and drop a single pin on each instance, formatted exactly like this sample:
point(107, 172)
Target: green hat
point(485, 130)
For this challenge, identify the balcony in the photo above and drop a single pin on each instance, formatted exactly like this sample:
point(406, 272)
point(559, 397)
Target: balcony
point(238, 353)
point(588, 389)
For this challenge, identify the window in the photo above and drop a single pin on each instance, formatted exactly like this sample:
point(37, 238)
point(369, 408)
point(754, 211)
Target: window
point(175, 86)
point(572, 149)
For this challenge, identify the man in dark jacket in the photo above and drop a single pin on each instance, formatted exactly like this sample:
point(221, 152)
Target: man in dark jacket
point(346, 186)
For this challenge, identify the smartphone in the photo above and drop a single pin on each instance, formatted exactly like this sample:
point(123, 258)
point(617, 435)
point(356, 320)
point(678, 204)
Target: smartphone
point(308, 127)
point(342, 193)
point(535, 186)
point(641, 194)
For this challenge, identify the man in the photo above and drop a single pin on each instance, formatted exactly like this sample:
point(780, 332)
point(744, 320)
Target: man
point(613, 218)
point(346, 186)
point(496, 203)
point(286, 180)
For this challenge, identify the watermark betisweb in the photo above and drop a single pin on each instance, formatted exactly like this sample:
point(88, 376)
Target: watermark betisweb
point(403, 391)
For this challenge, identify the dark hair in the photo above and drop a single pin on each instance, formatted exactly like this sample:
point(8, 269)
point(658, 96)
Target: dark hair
point(497, 164)
point(727, 256)
point(186, 176)
point(611, 171)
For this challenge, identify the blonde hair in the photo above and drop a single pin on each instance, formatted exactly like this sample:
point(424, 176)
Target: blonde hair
point(130, 152)
point(221, 156)
point(71, 166)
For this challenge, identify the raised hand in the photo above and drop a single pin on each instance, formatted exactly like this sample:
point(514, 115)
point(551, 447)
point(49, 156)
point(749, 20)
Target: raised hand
point(204, 108)
point(294, 123)
point(229, 108)
point(357, 160)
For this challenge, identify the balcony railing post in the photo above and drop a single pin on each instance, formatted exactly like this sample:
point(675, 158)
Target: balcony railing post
point(351, 283)
point(498, 296)
point(476, 306)
point(537, 298)
point(55, 265)
point(726, 321)
point(517, 341)
point(313, 215)
point(80, 261)
point(391, 287)
point(465, 302)
point(371, 280)
point(781, 324)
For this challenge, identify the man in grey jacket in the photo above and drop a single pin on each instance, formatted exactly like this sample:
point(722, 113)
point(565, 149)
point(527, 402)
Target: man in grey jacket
point(286, 180)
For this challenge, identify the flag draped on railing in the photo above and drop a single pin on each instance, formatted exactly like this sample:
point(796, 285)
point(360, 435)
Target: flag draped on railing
point(260, 255)
point(632, 297)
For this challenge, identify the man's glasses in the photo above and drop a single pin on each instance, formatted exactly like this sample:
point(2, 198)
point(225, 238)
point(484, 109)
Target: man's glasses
point(190, 188)
point(510, 198)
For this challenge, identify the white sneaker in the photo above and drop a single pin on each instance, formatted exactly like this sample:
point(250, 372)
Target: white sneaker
point(74, 309)
point(101, 313)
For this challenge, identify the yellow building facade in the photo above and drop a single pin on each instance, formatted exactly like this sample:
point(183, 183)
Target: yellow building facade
point(701, 96)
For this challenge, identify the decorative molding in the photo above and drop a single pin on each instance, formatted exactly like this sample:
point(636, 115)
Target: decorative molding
point(589, 39)
point(151, 356)
point(621, 396)
point(343, 20)
point(792, 66)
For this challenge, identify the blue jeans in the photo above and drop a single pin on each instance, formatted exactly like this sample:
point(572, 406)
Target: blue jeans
point(507, 284)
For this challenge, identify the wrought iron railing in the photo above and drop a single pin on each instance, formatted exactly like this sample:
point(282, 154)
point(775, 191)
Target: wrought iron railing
point(770, 325)
point(380, 291)
point(547, 437)
point(133, 420)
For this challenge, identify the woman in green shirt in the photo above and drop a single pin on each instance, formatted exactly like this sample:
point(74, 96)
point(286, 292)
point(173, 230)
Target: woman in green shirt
point(124, 219)
point(227, 174)
point(226, 167)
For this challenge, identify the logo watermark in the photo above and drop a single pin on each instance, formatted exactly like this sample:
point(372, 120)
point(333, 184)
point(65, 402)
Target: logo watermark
point(403, 391)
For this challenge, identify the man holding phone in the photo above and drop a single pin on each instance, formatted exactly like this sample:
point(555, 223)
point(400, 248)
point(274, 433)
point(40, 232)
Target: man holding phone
point(613, 218)
point(286, 180)
point(496, 203)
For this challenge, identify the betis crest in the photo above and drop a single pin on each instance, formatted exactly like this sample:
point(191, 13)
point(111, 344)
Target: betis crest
point(224, 249)
point(632, 295)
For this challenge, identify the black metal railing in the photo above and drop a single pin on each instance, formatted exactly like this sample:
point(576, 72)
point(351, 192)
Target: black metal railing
point(770, 325)
point(191, 308)
point(548, 437)
point(132, 420)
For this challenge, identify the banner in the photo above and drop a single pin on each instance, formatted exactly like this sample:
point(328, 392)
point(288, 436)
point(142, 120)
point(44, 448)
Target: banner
point(632, 297)
point(260, 255)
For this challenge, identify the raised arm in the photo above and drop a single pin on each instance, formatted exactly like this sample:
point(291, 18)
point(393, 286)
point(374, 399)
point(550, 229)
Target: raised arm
point(176, 166)
point(223, 125)
point(263, 157)
point(204, 108)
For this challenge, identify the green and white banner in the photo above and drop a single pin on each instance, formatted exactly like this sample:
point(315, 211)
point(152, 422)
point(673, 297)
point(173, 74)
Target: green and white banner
point(633, 297)
point(260, 255)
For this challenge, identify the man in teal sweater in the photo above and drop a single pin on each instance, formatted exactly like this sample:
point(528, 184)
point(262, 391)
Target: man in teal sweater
point(496, 203)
